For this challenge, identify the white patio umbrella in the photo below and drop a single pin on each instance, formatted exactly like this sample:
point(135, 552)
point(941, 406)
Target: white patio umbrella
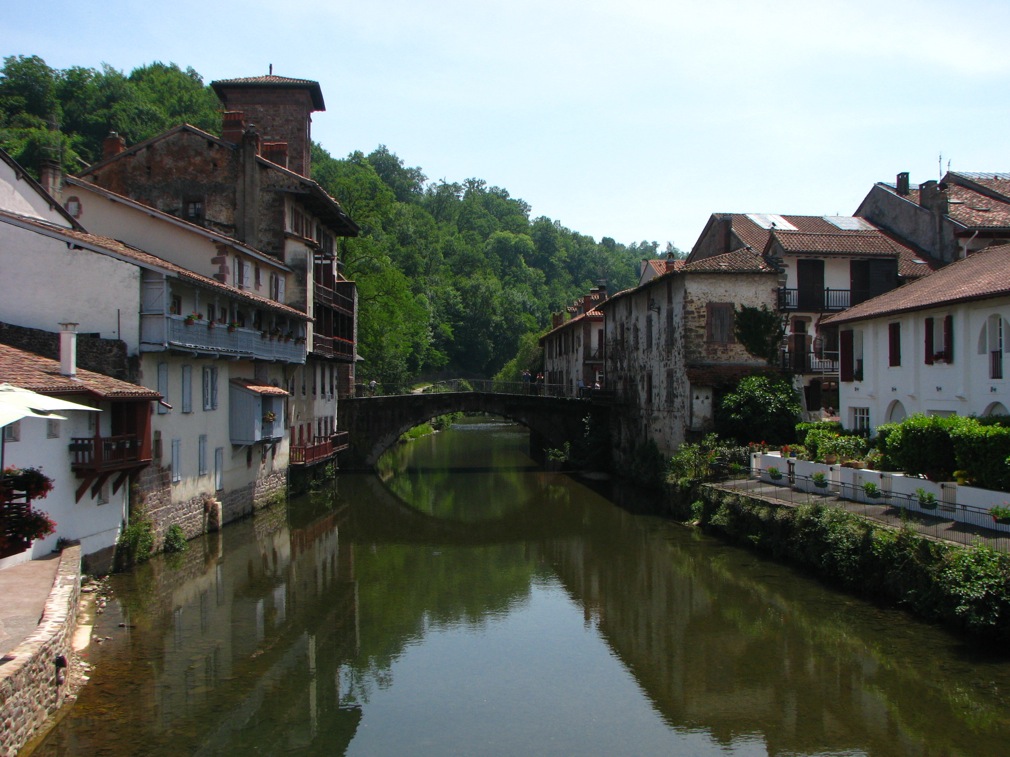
point(17, 403)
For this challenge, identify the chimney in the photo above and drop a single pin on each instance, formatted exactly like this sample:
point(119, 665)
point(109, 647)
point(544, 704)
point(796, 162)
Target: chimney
point(601, 286)
point(233, 126)
point(68, 349)
point(902, 183)
point(112, 145)
point(933, 196)
point(51, 177)
point(276, 152)
point(557, 319)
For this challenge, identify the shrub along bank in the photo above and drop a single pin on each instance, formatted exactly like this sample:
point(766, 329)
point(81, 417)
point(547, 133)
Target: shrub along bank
point(967, 588)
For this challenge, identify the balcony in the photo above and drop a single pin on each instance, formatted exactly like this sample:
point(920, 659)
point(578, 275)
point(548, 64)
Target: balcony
point(161, 331)
point(333, 346)
point(339, 297)
point(819, 300)
point(95, 459)
point(825, 363)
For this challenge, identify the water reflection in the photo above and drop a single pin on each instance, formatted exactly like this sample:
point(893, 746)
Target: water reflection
point(500, 609)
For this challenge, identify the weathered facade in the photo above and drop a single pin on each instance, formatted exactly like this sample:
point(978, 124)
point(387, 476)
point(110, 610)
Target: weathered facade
point(670, 346)
point(253, 185)
point(573, 348)
point(826, 264)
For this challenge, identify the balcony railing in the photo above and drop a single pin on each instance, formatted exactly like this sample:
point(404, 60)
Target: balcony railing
point(320, 449)
point(819, 301)
point(332, 346)
point(109, 453)
point(339, 297)
point(175, 331)
point(810, 362)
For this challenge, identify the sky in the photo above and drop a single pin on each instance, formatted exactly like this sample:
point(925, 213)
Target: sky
point(634, 120)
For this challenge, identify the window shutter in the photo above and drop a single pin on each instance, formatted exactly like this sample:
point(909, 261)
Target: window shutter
point(894, 343)
point(845, 357)
point(948, 338)
point(280, 288)
point(929, 341)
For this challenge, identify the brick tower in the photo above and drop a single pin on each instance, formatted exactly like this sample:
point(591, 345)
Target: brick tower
point(280, 109)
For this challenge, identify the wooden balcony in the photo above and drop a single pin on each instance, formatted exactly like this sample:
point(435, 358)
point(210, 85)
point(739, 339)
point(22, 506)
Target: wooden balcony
point(165, 331)
point(333, 346)
point(320, 450)
point(97, 459)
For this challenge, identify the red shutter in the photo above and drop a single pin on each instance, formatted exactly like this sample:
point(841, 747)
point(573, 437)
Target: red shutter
point(894, 343)
point(845, 339)
point(948, 338)
point(929, 341)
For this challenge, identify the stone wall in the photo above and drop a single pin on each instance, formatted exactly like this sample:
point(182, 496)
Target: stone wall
point(105, 356)
point(32, 686)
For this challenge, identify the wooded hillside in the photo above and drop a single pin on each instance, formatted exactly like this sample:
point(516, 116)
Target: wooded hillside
point(453, 277)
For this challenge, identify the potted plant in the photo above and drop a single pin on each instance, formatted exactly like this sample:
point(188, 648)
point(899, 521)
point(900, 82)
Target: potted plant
point(269, 416)
point(232, 326)
point(1000, 514)
point(871, 490)
point(774, 473)
point(927, 500)
point(192, 318)
point(820, 479)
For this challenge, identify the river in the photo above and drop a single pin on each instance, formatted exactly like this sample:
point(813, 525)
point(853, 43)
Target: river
point(466, 602)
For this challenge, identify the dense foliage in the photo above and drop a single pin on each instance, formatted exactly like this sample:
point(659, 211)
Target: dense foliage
point(453, 277)
point(760, 407)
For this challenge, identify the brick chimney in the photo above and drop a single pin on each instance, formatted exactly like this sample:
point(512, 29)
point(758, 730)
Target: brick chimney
point(233, 126)
point(933, 196)
point(68, 349)
point(276, 152)
point(113, 145)
point(902, 184)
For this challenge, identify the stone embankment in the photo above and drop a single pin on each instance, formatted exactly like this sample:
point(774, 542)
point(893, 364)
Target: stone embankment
point(34, 675)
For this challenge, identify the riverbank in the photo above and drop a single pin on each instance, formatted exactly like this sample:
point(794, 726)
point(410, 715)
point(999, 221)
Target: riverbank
point(34, 674)
point(963, 588)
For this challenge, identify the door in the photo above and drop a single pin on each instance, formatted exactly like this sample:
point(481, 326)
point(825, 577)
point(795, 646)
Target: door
point(810, 283)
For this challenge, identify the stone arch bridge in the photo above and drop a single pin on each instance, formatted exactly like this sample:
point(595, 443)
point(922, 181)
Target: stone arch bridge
point(374, 424)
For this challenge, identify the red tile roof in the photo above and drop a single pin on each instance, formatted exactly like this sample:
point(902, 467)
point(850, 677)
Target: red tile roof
point(982, 275)
point(260, 388)
point(42, 374)
point(861, 243)
point(275, 82)
point(737, 261)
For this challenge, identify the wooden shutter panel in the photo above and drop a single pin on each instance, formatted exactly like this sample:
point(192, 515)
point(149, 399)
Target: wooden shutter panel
point(929, 341)
point(845, 357)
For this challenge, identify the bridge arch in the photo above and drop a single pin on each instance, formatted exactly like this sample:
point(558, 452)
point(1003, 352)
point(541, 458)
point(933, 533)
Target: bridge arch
point(374, 424)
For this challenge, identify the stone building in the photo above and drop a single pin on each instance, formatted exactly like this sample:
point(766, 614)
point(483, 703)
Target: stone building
point(670, 346)
point(253, 185)
point(573, 348)
point(826, 264)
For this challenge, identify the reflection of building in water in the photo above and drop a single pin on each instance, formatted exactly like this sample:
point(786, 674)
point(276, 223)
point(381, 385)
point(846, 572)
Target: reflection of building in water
point(716, 651)
point(250, 631)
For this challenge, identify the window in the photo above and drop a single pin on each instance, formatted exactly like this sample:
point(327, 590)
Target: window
point(859, 419)
point(648, 333)
point(719, 323)
point(894, 344)
point(210, 387)
point(192, 210)
point(176, 461)
point(162, 388)
point(201, 455)
point(12, 432)
point(52, 429)
point(175, 307)
point(187, 389)
point(257, 277)
point(939, 340)
point(219, 469)
point(990, 342)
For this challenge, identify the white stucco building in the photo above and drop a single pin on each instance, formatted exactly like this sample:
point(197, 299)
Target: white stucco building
point(936, 346)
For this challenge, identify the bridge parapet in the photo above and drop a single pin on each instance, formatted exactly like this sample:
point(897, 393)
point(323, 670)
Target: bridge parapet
point(374, 424)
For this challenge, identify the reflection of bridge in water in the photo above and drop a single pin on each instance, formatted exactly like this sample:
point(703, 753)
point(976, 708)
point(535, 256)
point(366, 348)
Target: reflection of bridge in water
point(374, 424)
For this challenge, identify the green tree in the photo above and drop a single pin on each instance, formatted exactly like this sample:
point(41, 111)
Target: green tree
point(761, 408)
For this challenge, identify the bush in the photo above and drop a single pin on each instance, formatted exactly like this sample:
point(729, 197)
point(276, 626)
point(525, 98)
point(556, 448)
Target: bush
point(802, 429)
point(135, 543)
point(882, 442)
point(843, 446)
point(982, 452)
point(760, 406)
point(922, 444)
point(175, 539)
